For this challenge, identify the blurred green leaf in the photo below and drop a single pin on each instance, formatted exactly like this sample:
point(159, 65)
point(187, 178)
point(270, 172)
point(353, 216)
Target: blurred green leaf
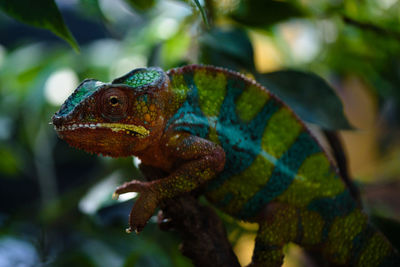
point(174, 50)
point(92, 8)
point(203, 12)
point(40, 13)
point(141, 5)
point(9, 162)
point(309, 96)
point(74, 258)
point(229, 48)
point(263, 13)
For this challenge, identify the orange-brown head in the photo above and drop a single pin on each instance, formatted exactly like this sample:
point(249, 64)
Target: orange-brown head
point(116, 119)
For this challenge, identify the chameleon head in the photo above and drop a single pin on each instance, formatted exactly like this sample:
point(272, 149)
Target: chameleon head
point(120, 118)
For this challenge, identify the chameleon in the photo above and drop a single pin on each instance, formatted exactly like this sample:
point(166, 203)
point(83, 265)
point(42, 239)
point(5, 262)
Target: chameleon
point(220, 132)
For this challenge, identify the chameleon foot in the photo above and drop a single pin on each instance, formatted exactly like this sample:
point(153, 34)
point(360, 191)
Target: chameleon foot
point(129, 230)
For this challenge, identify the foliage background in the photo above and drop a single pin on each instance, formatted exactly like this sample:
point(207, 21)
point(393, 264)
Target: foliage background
point(55, 201)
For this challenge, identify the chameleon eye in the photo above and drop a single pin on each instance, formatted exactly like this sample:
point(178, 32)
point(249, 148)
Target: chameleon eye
point(114, 100)
point(114, 104)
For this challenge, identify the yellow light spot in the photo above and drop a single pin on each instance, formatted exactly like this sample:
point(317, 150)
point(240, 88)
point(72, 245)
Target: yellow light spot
point(244, 248)
point(267, 56)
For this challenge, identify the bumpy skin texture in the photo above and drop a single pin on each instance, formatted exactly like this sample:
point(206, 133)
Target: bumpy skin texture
point(216, 130)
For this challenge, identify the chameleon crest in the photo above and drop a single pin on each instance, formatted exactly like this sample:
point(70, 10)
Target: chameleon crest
point(218, 132)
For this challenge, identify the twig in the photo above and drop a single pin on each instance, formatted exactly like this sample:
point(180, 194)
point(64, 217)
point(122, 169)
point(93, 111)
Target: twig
point(371, 27)
point(202, 12)
point(340, 156)
point(210, 11)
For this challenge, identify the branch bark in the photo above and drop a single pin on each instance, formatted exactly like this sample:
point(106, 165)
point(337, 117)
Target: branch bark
point(204, 238)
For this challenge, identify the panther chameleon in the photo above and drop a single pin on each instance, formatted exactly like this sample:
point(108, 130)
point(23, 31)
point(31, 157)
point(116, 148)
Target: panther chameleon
point(216, 130)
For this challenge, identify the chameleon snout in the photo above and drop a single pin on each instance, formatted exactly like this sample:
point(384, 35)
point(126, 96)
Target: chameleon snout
point(57, 121)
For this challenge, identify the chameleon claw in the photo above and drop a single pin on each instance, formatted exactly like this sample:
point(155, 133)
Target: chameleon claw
point(129, 230)
point(115, 196)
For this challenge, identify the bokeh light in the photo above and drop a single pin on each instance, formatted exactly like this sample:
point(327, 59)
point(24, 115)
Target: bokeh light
point(60, 85)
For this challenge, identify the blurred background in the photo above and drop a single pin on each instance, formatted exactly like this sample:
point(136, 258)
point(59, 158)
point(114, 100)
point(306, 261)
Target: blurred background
point(55, 201)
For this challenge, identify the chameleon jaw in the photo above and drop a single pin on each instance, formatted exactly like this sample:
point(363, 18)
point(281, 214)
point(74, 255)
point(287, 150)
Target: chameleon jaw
point(139, 131)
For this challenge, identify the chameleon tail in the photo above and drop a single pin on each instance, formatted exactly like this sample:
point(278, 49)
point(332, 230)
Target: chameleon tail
point(353, 241)
point(348, 240)
point(372, 248)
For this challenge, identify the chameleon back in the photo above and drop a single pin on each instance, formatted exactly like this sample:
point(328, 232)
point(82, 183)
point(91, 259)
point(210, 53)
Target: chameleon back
point(270, 155)
point(272, 158)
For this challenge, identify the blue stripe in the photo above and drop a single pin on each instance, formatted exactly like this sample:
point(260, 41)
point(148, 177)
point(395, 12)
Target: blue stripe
point(285, 170)
point(331, 207)
point(240, 140)
point(189, 117)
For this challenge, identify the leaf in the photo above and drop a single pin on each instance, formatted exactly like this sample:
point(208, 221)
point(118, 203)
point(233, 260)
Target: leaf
point(310, 97)
point(174, 50)
point(92, 8)
point(40, 13)
point(263, 13)
point(10, 163)
point(203, 13)
point(141, 5)
point(229, 48)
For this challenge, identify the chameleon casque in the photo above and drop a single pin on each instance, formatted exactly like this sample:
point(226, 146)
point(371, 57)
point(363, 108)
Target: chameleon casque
point(217, 130)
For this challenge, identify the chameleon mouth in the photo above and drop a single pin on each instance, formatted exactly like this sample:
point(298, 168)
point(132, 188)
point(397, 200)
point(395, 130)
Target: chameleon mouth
point(134, 130)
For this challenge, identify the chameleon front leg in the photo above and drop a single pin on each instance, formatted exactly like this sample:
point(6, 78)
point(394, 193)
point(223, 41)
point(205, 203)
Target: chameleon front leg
point(198, 161)
point(151, 173)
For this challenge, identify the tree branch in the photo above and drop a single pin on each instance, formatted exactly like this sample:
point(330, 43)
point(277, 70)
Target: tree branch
point(204, 238)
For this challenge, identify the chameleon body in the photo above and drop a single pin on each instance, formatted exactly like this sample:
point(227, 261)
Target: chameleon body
point(217, 130)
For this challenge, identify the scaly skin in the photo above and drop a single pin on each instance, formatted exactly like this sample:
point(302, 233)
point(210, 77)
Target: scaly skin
point(217, 130)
